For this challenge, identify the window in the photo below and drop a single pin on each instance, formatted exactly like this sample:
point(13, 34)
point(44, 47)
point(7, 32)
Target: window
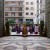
point(20, 9)
point(31, 13)
point(27, 8)
point(27, 3)
point(20, 14)
point(6, 14)
point(13, 2)
point(43, 11)
point(29, 20)
point(40, 1)
point(6, 8)
point(10, 8)
point(13, 9)
point(21, 21)
point(40, 11)
point(31, 3)
point(32, 8)
point(37, 1)
point(6, 19)
point(13, 14)
point(20, 3)
point(27, 13)
point(6, 3)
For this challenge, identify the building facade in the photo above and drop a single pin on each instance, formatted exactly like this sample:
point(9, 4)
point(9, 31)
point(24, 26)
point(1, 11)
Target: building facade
point(20, 10)
point(41, 10)
point(48, 17)
point(30, 10)
point(13, 10)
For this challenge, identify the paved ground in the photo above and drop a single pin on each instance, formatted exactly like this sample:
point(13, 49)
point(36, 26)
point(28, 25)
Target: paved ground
point(24, 43)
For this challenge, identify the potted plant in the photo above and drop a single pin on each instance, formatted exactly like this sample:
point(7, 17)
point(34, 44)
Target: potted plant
point(7, 28)
point(45, 31)
point(41, 27)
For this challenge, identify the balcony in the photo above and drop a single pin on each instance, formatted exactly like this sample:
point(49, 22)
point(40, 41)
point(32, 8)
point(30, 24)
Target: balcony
point(18, 4)
point(13, 16)
point(14, 11)
point(13, 5)
point(13, 0)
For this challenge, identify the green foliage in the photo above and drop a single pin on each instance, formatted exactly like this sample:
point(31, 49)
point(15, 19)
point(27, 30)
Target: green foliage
point(29, 23)
point(41, 23)
point(41, 27)
point(7, 28)
point(12, 22)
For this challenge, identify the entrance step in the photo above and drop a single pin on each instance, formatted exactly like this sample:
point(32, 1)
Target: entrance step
point(15, 33)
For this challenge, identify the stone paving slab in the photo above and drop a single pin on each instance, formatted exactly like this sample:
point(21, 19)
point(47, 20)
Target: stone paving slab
point(24, 43)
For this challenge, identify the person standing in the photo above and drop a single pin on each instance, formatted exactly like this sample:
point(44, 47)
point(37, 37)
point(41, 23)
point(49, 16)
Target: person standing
point(31, 29)
point(36, 29)
point(18, 29)
point(28, 28)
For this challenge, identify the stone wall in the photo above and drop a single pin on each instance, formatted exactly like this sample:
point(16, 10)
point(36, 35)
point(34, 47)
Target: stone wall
point(48, 17)
point(1, 17)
